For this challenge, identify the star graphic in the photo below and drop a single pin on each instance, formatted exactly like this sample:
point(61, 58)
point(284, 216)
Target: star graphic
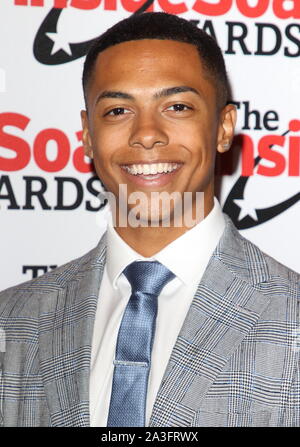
point(60, 43)
point(245, 209)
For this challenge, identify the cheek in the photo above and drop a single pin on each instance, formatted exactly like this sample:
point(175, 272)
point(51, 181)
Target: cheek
point(101, 158)
point(104, 146)
point(110, 139)
point(107, 149)
point(201, 153)
point(198, 145)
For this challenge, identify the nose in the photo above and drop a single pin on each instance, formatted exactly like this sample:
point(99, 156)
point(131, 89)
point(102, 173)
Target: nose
point(147, 132)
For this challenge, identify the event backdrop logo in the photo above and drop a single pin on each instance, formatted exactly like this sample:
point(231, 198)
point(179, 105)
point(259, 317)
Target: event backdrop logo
point(246, 216)
point(50, 48)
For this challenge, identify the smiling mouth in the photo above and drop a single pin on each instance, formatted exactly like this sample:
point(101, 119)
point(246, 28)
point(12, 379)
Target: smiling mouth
point(151, 170)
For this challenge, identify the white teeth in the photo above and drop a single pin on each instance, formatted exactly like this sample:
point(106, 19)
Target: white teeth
point(146, 169)
point(135, 170)
point(160, 168)
point(153, 168)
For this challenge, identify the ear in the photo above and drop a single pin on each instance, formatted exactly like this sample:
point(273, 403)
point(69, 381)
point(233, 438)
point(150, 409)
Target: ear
point(86, 139)
point(226, 128)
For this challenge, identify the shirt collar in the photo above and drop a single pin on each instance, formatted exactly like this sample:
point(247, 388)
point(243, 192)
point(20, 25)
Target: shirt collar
point(119, 254)
point(187, 256)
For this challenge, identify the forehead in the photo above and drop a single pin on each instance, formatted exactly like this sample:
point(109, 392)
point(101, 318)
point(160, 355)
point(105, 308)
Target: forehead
point(149, 62)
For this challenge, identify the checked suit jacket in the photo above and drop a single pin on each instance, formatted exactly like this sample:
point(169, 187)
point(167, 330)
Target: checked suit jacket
point(235, 362)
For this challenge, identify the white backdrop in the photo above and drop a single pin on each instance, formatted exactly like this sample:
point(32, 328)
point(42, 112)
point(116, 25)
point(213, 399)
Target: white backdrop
point(48, 203)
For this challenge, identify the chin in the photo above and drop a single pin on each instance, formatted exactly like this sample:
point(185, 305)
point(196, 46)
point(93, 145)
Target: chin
point(148, 218)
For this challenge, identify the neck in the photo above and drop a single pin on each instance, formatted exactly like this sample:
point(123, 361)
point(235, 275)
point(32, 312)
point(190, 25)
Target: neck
point(149, 240)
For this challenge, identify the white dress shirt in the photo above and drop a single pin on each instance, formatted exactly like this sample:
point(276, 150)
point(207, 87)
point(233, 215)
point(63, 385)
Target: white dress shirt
point(187, 257)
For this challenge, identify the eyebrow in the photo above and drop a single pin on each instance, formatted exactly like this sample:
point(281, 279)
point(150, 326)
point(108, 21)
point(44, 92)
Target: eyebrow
point(113, 94)
point(173, 90)
point(165, 92)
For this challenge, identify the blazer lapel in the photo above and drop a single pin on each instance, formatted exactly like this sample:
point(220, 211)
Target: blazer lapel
point(225, 307)
point(65, 337)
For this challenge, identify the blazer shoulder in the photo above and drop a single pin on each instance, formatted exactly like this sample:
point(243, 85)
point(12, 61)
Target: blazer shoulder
point(247, 261)
point(53, 281)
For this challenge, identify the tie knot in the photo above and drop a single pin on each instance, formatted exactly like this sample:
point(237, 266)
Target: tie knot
point(148, 276)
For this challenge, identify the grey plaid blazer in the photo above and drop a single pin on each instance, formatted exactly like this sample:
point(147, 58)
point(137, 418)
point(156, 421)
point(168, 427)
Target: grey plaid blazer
point(235, 362)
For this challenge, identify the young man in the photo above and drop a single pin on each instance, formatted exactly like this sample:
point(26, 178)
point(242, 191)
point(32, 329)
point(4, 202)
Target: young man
point(162, 324)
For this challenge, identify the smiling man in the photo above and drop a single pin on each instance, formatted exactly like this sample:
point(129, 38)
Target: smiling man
point(160, 111)
point(169, 321)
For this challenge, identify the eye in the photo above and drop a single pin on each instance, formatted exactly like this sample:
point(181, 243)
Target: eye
point(179, 108)
point(116, 111)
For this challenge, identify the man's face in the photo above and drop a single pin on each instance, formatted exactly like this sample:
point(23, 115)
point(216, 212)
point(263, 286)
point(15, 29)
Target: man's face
point(151, 106)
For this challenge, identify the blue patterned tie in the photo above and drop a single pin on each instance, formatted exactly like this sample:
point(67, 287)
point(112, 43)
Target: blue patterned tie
point(134, 344)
